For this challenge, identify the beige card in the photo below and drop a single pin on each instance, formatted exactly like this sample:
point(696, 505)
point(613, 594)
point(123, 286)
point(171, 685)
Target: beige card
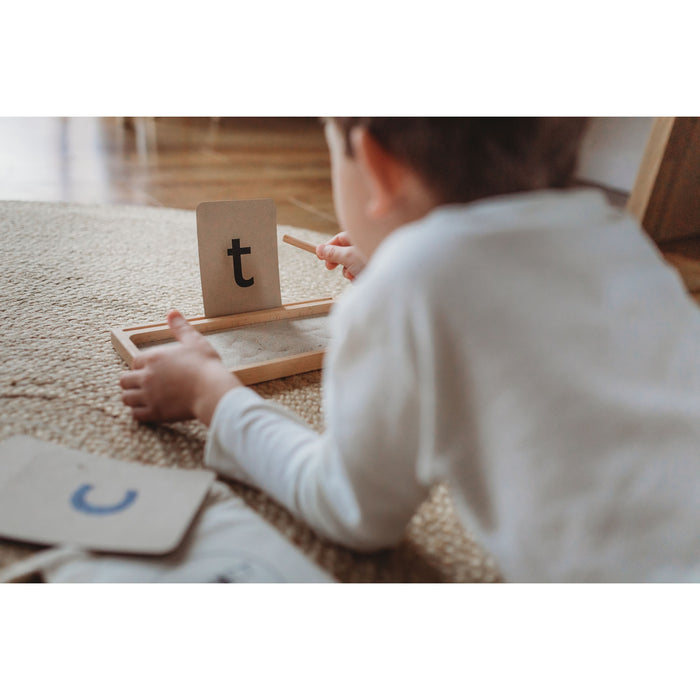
point(54, 495)
point(238, 256)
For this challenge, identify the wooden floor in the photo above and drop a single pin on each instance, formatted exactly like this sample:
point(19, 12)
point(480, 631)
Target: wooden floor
point(171, 162)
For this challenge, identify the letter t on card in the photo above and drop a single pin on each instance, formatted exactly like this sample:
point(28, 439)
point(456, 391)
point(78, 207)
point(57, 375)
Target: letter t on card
point(238, 256)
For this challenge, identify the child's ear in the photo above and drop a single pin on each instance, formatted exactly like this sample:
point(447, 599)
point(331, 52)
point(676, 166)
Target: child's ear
point(382, 172)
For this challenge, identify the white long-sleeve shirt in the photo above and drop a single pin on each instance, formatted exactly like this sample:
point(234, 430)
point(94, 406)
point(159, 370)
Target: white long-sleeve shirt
point(535, 352)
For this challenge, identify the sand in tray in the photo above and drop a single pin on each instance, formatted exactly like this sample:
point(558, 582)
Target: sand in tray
point(270, 340)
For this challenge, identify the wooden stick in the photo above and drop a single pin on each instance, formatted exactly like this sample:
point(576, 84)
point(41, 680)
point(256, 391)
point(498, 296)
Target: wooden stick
point(299, 243)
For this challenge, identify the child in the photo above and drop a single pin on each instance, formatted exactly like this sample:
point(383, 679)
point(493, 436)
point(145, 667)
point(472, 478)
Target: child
point(524, 342)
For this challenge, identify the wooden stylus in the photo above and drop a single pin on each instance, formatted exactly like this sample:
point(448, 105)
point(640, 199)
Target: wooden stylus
point(299, 243)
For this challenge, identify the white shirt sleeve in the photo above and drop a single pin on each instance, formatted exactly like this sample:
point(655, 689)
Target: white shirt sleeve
point(356, 483)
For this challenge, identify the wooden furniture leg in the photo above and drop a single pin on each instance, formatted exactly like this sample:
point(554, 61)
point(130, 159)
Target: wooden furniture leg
point(666, 195)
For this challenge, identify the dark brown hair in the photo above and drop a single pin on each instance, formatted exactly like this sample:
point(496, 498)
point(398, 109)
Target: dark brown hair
point(461, 159)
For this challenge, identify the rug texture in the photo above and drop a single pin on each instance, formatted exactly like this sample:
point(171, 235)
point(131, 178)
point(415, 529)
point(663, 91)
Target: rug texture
point(70, 273)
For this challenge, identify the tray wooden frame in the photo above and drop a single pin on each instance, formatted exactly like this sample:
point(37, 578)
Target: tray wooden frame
point(126, 341)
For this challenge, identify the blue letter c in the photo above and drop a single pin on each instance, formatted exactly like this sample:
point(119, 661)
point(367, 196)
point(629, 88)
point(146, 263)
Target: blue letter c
point(79, 503)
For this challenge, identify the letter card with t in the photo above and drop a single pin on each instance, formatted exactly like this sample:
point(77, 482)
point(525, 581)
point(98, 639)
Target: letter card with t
point(238, 262)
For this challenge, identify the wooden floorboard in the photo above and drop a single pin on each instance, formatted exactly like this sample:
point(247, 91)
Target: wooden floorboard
point(174, 162)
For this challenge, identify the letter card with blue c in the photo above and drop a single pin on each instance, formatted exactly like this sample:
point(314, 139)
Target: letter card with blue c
point(54, 495)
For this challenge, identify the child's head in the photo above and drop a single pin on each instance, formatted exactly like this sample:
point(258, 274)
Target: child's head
point(452, 160)
point(463, 159)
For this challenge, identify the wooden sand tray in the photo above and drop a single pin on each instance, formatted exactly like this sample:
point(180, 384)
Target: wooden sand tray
point(128, 342)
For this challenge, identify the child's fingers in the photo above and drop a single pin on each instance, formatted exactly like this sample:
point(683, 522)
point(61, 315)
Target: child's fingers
point(131, 380)
point(144, 414)
point(340, 239)
point(133, 397)
point(338, 255)
point(322, 252)
point(322, 249)
point(179, 326)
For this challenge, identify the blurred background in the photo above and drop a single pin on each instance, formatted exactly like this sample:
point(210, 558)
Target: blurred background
point(178, 162)
point(170, 162)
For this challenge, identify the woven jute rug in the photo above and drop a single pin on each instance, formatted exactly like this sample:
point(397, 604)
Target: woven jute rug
point(70, 273)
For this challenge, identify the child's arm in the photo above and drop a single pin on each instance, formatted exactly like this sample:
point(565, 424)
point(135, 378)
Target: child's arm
point(358, 483)
point(339, 251)
point(355, 484)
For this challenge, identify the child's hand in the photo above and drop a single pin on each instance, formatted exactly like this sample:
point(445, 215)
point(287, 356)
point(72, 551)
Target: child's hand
point(339, 251)
point(179, 382)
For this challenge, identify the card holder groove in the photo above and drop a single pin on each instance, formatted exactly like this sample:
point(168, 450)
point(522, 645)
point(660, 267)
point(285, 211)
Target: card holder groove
point(128, 342)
